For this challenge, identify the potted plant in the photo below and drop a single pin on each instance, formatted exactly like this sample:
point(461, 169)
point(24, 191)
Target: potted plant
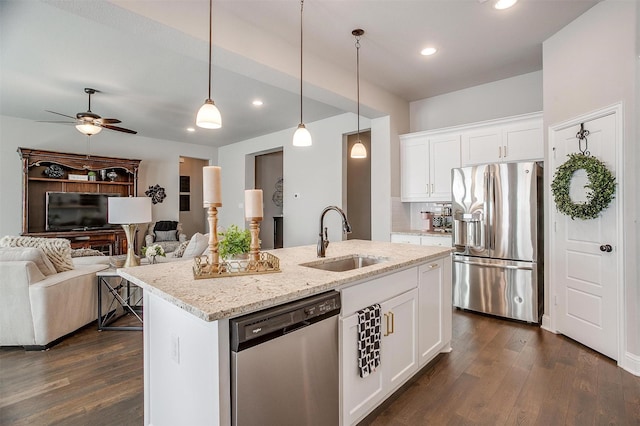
point(234, 242)
point(92, 175)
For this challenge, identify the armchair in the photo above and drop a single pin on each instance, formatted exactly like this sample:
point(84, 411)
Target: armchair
point(166, 233)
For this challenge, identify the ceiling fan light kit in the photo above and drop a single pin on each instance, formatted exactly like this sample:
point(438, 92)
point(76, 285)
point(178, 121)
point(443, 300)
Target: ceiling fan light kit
point(208, 116)
point(301, 137)
point(88, 128)
point(358, 150)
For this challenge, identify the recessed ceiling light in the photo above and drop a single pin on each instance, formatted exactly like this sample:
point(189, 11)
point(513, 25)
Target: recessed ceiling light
point(428, 51)
point(190, 129)
point(257, 102)
point(504, 4)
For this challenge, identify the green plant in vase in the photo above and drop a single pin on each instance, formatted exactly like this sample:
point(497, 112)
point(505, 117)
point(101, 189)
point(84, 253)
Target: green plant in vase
point(233, 242)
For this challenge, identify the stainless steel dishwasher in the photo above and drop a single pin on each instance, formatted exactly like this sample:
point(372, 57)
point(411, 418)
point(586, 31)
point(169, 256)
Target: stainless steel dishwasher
point(284, 364)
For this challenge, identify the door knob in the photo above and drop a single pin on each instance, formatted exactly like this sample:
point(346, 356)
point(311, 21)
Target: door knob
point(606, 247)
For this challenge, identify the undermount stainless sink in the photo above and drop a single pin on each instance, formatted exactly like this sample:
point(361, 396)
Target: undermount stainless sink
point(348, 263)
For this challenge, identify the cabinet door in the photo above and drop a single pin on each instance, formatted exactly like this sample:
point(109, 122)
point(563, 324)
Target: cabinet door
point(434, 325)
point(444, 155)
point(414, 156)
point(399, 342)
point(481, 146)
point(523, 141)
point(358, 395)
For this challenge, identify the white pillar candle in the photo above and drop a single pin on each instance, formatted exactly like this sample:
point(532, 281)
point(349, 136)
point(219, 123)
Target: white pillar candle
point(211, 186)
point(253, 204)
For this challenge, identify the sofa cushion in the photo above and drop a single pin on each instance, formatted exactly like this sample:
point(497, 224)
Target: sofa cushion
point(32, 254)
point(181, 248)
point(166, 235)
point(58, 250)
point(197, 245)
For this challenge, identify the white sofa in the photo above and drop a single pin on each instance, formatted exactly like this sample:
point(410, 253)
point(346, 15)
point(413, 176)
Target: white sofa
point(37, 309)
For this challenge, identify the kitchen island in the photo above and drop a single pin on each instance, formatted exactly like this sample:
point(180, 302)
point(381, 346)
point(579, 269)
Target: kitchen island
point(186, 324)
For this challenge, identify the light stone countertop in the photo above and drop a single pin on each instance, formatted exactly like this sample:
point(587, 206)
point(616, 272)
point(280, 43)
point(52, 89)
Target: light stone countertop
point(217, 298)
point(423, 233)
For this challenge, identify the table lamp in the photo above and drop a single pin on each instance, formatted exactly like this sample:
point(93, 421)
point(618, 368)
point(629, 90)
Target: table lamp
point(129, 212)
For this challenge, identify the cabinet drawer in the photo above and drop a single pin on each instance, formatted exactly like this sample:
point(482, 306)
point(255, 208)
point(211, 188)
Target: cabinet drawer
point(366, 294)
point(436, 241)
point(406, 239)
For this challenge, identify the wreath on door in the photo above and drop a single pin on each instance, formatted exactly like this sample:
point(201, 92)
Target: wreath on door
point(602, 184)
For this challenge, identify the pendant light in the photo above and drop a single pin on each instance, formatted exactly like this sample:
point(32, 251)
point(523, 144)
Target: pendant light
point(301, 137)
point(358, 150)
point(208, 115)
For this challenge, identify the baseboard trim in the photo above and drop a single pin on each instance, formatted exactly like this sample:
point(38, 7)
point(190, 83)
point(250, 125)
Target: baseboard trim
point(631, 363)
point(546, 324)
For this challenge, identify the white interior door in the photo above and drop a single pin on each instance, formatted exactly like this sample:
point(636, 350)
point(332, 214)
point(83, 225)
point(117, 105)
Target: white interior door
point(585, 278)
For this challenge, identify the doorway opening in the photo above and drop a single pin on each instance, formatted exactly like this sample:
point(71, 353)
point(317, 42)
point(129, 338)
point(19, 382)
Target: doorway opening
point(192, 216)
point(268, 177)
point(357, 187)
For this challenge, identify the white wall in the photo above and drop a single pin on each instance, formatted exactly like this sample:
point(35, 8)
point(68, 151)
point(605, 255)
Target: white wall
point(512, 96)
point(315, 174)
point(160, 162)
point(590, 64)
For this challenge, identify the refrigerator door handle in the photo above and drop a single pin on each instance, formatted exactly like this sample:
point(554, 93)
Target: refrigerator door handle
point(489, 265)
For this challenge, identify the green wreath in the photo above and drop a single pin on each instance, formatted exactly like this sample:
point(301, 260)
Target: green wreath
point(601, 183)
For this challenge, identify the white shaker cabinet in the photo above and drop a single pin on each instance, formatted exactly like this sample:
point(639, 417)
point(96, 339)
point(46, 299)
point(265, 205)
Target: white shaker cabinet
point(426, 163)
point(511, 139)
point(398, 357)
point(434, 286)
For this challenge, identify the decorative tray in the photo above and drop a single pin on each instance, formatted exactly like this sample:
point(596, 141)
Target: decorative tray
point(266, 264)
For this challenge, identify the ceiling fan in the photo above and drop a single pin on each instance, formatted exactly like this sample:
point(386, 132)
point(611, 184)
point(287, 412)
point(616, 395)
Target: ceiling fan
point(89, 123)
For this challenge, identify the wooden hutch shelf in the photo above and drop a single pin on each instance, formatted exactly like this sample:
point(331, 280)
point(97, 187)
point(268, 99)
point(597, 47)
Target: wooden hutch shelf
point(39, 177)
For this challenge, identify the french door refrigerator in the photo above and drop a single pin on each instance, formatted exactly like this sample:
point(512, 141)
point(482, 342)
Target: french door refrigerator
point(497, 236)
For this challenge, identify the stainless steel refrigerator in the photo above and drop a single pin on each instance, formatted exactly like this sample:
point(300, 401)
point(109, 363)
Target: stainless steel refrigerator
point(497, 236)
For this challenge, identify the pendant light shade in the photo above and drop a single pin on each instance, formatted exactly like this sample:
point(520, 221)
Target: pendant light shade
point(208, 115)
point(301, 137)
point(358, 150)
point(88, 129)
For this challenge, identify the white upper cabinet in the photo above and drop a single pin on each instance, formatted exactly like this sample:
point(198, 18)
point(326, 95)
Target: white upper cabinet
point(511, 139)
point(426, 163)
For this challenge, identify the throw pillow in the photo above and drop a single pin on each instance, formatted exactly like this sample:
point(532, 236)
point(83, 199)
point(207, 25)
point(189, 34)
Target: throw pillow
point(58, 250)
point(197, 245)
point(84, 252)
point(180, 250)
point(32, 254)
point(166, 236)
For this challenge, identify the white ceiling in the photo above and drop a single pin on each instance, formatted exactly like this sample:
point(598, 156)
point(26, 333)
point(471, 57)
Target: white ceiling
point(149, 57)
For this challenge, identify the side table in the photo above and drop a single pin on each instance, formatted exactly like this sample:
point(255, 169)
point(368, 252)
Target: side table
point(125, 300)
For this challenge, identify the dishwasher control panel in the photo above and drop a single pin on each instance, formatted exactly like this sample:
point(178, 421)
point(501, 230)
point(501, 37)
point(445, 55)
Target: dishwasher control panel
point(251, 329)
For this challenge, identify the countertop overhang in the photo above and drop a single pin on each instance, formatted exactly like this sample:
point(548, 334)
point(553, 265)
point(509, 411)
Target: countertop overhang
point(218, 298)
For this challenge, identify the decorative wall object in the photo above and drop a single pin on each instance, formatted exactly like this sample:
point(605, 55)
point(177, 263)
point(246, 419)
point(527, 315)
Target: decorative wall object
point(54, 171)
point(277, 195)
point(185, 202)
point(185, 183)
point(156, 193)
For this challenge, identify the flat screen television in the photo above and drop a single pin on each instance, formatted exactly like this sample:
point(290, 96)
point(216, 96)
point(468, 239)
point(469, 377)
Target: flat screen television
point(68, 211)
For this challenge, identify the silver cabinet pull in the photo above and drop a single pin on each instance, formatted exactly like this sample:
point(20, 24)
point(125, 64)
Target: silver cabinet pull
point(499, 152)
point(387, 332)
point(505, 151)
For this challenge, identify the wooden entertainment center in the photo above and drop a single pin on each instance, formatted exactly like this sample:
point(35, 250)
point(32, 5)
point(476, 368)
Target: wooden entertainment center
point(48, 171)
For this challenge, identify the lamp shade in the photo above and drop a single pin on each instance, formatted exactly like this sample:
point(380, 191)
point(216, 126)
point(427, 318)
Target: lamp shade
point(88, 129)
point(129, 210)
point(209, 116)
point(358, 150)
point(302, 137)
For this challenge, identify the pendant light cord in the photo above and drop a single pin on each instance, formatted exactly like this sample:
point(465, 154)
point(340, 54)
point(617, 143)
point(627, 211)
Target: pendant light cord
point(301, 9)
point(210, 48)
point(358, 80)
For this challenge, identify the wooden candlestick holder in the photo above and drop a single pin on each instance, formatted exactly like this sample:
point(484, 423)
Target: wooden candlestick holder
point(254, 228)
point(213, 255)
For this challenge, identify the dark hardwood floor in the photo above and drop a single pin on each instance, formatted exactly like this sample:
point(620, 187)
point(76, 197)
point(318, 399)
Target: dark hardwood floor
point(499, 373)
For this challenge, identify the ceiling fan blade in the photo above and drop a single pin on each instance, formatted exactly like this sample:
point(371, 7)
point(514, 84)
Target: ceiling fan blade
point(118, 129)
point(58, 113)
point(62, 122)
point(107, 121)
